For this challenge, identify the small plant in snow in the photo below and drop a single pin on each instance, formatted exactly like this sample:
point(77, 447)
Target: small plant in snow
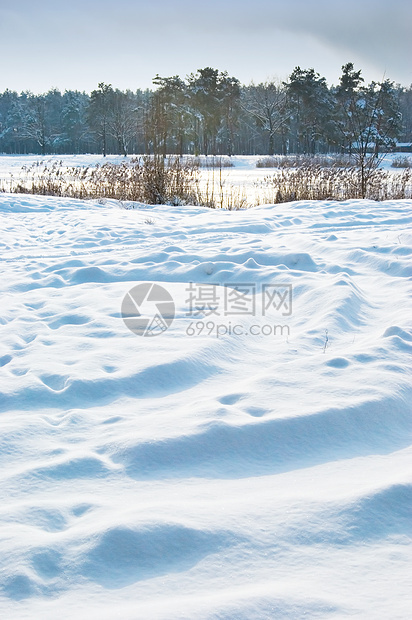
point(326, 343)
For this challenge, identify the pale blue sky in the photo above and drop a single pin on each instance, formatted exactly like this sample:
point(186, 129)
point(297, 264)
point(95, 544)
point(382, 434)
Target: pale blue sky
point(77, 43)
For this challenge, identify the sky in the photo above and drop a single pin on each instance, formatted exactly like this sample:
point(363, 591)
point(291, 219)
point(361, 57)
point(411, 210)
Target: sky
point(76, 44)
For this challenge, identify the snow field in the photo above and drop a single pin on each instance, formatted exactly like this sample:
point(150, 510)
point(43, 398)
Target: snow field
point(234, 477)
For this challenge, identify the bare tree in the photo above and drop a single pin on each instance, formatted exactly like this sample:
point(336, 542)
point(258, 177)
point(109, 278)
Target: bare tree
point(122, 119)
point(266, 104)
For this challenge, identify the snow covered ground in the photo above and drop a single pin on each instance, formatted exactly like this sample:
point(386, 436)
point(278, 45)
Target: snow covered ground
point(253, 460)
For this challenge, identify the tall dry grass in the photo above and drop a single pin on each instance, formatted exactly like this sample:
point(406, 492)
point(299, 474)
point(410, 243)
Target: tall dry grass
point(152, 180)
point(176, 181)
point(315, 182)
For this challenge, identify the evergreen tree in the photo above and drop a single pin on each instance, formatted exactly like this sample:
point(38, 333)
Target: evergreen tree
point(10, 121)
point(310, 108)
point(405, 105)
point(100, 109)
point(77, 136)
point(170, 114)
point(210, 94)
point(346, 94)
point(230, 89)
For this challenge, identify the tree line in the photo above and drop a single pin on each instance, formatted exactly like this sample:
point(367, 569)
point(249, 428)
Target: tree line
point(210, 112)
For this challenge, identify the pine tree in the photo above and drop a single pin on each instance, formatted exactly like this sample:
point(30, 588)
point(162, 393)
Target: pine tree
point(100, 109)
point(310, 109)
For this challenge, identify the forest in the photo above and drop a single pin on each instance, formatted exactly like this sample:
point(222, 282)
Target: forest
point(211, 113)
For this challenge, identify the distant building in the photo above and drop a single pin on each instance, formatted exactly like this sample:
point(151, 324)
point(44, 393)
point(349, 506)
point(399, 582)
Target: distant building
point(403, 147)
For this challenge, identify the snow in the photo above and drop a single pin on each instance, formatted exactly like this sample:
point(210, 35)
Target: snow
point(233, 476)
